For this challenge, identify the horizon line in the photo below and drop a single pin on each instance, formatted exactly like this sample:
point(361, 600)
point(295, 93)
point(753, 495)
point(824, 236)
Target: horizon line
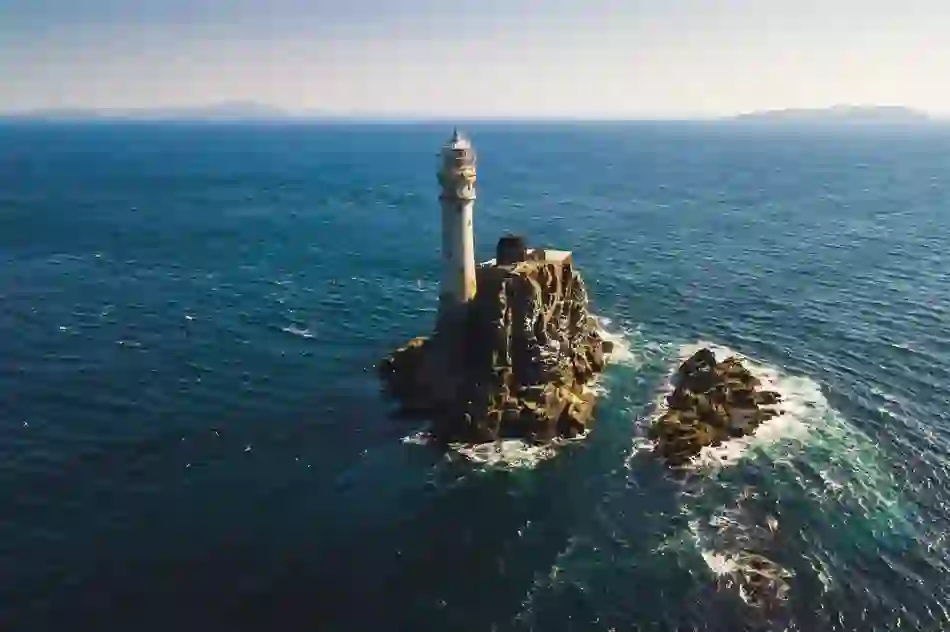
point(395, 120)
point(248, 109)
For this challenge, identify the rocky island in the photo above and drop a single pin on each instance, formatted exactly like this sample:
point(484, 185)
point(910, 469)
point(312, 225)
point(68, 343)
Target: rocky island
point(514, 346)
point(712, 401)
point(839, 114)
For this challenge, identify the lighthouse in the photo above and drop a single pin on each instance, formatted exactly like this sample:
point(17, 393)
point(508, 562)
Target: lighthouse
point(457, 199)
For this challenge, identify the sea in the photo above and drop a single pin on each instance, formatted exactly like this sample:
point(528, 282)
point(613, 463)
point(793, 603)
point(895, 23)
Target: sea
point(193, 437)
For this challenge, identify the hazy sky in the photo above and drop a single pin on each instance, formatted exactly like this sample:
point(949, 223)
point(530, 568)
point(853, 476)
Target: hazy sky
point(477, 57)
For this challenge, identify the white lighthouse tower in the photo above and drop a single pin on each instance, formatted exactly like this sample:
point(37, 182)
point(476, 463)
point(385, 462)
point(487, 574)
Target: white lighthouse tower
point(457, 198)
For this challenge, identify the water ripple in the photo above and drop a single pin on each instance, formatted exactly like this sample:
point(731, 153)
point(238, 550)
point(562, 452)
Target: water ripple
point(190, 315)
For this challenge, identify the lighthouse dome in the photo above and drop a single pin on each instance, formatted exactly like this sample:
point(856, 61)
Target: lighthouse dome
point(458, 141)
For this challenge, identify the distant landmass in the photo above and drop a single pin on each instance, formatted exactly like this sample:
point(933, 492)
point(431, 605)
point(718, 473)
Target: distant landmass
point(228, 111)
point(255, 111)
point(839, 114)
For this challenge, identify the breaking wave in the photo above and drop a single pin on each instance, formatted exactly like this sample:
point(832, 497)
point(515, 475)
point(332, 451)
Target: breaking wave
point(803, 406)
point(302, 332)
point(738, 546)
point(507, 454)
point(626, 351)
point(510, 454)
point(737, 529)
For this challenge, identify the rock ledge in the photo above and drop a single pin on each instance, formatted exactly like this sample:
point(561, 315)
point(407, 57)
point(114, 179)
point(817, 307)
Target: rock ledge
point(515, 364)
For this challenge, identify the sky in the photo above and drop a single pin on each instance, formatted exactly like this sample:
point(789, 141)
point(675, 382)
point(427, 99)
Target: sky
point(478, 58)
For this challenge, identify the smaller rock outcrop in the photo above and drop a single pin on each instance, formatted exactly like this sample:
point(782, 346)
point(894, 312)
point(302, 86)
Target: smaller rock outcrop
point(711, 402)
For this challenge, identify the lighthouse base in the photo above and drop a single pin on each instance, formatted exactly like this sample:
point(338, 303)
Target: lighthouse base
point(452, 320)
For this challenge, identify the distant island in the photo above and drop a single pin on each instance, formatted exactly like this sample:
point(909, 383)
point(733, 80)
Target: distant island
point(236, 111)
point(233, 111)
point(227, 111)
point(839, 114)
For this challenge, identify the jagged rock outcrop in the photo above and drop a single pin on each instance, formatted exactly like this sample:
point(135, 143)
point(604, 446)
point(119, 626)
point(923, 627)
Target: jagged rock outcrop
point(517, 365)
point(712, 402)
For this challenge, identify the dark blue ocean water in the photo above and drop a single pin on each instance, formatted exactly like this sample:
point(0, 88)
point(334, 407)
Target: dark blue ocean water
point(193, 437)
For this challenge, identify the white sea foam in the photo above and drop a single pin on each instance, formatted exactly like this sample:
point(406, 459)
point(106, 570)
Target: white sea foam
point(622, 353)
point(719, 563)
point(802, 407)
point(421, 437)
point(303, 332)
point(508, 454)
point(839, 454)
point(513, 454)
point(809, 442)
point(727, 540)
point(640, 444)
point(727, 547)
